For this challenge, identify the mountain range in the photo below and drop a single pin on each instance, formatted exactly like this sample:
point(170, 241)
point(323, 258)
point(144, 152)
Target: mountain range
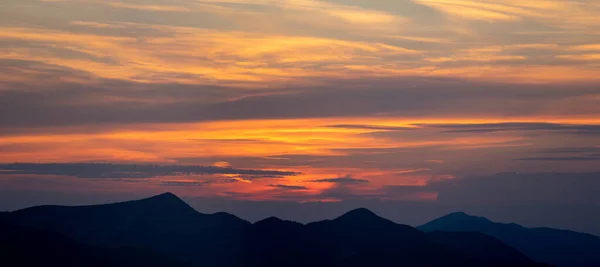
point(164, 231)
point(553, 246)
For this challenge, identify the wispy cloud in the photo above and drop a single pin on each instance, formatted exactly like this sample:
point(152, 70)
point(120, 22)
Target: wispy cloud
point(501, 127)
point(315, 39)
point(564, 158)
point(184, 183)
point(565, 150)
point(549, 12)
point(289, 187)
point(342, 180)
point(159, 8)
point(104, 170)
point(372, 127)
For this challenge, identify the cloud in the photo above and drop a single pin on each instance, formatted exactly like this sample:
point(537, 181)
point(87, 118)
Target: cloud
point(106, 170)
point(73, 104)
point(424, 171)
point(159, 8)
point(353, 15)
point(564, 158)
point(373, 150)
point(346, 180)
point(289, 187)
point(255, 43)
point(221, 164)
point(251, 177)
point(473, 10)
point(519, 126)
point(184, 183)
point(371, 127)
point(552, 14)
point(561, 150)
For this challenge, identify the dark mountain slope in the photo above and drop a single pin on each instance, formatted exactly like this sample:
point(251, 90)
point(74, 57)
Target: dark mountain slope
point(361, 238)
point(164, 223)
point(556, 247)
point(274, 242)
point(357, 238)
point(480, 246)
point(20, 246)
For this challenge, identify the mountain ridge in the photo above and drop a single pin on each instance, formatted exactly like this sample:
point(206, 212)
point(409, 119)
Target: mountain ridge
point(554, 246)
point(166, 224)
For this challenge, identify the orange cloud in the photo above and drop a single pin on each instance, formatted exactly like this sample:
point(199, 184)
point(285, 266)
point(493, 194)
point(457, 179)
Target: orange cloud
point(265, 138)
point(370, 43)
point(150, 7)
point(284, 47)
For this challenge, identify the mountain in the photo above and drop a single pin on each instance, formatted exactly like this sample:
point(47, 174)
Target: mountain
point(553, 246)
point(163, 223)
point(23, 246)
point(480, 246)
point(170, 227)
point(275, 242)
point(361, 238)
point(357, 238)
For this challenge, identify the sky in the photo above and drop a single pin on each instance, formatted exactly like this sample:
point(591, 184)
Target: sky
point(419, 106)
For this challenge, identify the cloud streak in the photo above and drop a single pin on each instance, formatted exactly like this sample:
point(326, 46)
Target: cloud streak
point(184, 183)
point(104, 170)
point(565, 158)
point(289, 187)
point(501, 127)
point(346, 180)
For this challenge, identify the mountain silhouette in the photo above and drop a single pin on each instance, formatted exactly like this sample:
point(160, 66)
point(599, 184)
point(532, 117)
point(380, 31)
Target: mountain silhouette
point(357, 238)
point(163, 223)
point(23, 246)
point(275, 242)
point(480, 246)
point(552, 246)
point(361, 238)
point(169, 226)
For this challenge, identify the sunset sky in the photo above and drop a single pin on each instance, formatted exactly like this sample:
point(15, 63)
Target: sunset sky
point(338, 99)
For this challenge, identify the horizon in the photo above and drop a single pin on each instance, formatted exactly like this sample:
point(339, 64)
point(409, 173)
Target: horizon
point(331, 215)
point(162, 196)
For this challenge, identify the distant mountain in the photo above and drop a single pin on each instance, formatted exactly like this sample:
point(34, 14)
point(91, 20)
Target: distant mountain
point(556, 247)
point(480, 246)
point(169, 226)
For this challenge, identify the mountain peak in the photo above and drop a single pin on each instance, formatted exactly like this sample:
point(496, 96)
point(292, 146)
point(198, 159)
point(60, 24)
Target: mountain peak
point(166, 200)
point(360, 214)
point(167, 195)
point(270, 219)
point(362, 211)
point(462, 216)
point(453, 219)
point(459, 214)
